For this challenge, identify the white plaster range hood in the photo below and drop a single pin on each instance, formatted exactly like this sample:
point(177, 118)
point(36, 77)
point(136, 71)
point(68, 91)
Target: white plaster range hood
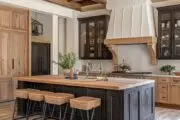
point(131, 22)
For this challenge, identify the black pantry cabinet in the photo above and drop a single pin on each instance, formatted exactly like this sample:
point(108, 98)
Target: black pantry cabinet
point(92, 32)
point(40, 59)
point(169, 32)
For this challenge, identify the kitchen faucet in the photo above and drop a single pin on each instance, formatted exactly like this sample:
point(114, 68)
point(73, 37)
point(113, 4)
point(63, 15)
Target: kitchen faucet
point(88, 69)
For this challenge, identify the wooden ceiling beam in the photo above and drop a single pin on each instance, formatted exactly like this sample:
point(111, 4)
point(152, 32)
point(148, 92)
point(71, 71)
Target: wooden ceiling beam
point(67, 3)
point(100, 1)
point(93, 7)
point(81, 5)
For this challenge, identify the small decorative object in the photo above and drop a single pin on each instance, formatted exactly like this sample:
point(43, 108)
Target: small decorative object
point(124, 67)
point(168, 69)
point(168, 24)
point(178, 23)
point(162, 25)
point(67, 62)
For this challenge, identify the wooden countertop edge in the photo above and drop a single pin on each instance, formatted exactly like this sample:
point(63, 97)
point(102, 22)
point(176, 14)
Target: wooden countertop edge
point(107, 85)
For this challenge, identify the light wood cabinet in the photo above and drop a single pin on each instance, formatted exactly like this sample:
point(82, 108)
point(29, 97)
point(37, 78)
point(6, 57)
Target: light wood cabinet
point(18, 53)
point(14, 48)
point(5, 18)
point(6, 89)
point(19, 20)
point(163, 89)
point(175, 91)
point(5, 68)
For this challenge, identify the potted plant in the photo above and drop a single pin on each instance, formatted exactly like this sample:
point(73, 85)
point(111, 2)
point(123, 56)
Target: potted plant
point(67, 62)
point(167, 69)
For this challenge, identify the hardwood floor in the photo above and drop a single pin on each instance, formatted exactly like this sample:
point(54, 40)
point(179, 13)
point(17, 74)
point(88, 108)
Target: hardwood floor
point(6, 110)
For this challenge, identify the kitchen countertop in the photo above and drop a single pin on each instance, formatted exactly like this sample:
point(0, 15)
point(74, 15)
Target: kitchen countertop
point(111, 84)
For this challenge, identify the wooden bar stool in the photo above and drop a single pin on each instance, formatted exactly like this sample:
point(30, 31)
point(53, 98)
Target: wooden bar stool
point(34, 97)
point(84, 103)
point(58, 99)
point(22, 94)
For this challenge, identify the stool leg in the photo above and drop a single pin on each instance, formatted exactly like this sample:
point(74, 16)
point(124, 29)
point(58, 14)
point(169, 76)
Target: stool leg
point(81, 115)
point(92, 115)
point(72, 114)
point(27, 106)
point(60, 113)
point(52, 113)
point(65, 112)
point(14, 108)
point(87, 115)
point(45, 107)
point(29, 109)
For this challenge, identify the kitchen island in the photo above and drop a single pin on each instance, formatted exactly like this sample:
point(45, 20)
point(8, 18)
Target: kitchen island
point(121, 98)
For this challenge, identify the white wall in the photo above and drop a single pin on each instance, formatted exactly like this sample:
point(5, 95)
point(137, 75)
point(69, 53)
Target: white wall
point(46, 20)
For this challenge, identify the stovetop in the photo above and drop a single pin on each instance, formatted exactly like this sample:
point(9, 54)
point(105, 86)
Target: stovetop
point(120, 72)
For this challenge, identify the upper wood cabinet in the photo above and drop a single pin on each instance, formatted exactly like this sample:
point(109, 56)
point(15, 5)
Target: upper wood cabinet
point(169, 33)
point(19, 20)
point(92, 32)
point(5, 18)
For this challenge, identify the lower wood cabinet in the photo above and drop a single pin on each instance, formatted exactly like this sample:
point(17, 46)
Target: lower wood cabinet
point(6, 89)
point(167, 90)
point(175, 91)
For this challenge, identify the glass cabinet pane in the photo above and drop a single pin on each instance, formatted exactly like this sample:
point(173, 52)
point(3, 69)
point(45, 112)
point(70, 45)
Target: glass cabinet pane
point(83, 40)
point(92, 42)
point(165, 36)
point(100, 38)
point(176, 34)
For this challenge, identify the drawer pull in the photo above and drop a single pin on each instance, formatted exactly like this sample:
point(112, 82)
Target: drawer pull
point(164, 97)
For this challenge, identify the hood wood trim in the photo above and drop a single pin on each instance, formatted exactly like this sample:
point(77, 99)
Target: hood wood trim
point(149, 41)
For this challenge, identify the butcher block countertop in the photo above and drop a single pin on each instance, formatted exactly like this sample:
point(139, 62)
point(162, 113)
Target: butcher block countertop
point(111, 84)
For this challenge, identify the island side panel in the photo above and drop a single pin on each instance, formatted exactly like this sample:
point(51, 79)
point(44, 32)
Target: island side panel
point(139, 103)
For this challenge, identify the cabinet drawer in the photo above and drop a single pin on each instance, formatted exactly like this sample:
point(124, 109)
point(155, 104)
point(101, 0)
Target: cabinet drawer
point(163, 88)
point(175, 81)
point(163, 97)
point(164, 80)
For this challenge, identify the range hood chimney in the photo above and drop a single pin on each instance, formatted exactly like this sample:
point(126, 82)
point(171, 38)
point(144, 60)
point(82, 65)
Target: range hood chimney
point(131, 22)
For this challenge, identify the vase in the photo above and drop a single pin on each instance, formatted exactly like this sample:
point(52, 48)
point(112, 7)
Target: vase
point(72, 73)
point(66, 73)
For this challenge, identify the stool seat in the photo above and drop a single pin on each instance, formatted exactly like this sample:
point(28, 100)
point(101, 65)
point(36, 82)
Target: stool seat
point(58, 98)
point(38, 95)
point(85, 103)
point(23, 93)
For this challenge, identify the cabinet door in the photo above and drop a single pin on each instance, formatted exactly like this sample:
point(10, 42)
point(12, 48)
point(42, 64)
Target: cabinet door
point(5, 18)
point(5, 68)
point(19, 20)
point(165, 36)
point(40, 59)
point(176, 34)
point(18, 53)
point(174, 94)
point(92, 48)
point(6, 89)
point(83, 40)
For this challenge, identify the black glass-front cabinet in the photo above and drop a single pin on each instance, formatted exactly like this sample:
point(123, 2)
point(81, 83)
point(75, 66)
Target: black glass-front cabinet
point(169, 33)
point(92, 32)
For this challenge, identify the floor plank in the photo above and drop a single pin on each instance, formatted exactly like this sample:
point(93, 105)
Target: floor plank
point(6, 110)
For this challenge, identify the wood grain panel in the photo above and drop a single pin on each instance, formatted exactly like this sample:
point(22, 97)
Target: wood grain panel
point(6, 89)
point(18, 53)
point(19, 20)
point(5, 18)
point(4, 50)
